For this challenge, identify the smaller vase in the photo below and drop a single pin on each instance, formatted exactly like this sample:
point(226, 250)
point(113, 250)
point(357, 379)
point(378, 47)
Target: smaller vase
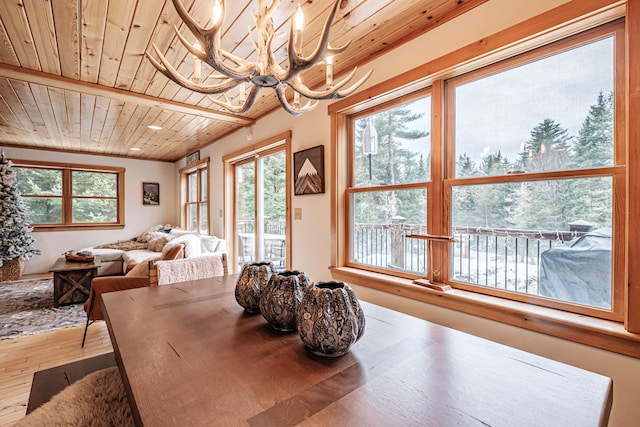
point(330, 319)
point(280, 299)
point(253, 277)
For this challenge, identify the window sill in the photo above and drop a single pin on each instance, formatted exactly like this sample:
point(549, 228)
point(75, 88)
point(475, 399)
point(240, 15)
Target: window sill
point(599, 333)
point(77, 227)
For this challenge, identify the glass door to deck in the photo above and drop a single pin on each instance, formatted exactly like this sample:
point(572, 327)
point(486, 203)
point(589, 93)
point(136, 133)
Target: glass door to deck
point(260, 209)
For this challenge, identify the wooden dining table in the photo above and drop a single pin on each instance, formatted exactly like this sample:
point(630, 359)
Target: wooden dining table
point(190, 356)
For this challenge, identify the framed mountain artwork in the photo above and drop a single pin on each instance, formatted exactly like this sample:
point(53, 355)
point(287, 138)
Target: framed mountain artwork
point(308, 171)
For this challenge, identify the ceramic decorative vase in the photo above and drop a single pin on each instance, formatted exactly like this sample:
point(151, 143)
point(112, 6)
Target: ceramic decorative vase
point(281, 297)
point(330, 319)
point(253, 277)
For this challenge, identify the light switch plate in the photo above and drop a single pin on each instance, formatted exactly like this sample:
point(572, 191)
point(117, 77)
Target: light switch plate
point(297, 213)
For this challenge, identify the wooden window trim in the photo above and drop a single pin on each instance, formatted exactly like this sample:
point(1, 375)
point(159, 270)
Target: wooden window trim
point(67, 169)
point(561, 22)
point(184, 172)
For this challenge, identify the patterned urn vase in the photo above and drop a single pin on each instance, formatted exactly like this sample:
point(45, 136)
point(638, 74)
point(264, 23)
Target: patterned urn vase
point(253, 277)
point(281, 297)
point(330, 319)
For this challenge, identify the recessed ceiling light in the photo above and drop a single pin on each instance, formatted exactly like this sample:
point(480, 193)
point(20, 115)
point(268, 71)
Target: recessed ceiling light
point(155, 127)
point(134, 149)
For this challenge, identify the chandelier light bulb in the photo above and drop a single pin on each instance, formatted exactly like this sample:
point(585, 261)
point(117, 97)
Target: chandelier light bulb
point(329, 71)
point(216, 13)
point(197, 65)
point(296, 95)
point(298, 26)
point(298, 19)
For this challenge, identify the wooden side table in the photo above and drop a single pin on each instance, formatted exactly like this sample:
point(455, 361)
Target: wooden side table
point(72, 280)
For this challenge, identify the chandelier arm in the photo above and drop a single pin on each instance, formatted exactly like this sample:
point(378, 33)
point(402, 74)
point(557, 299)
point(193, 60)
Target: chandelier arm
point(299, 63)
point(192, 25)
point(167, 69)
point(330, 93)
point(291, 109)
point(354, 87)
point(335, 51)
point(190, 47)
point(273, 67)
point(242, 108)
point(253, 41)
point(268, 11)
point(245, 65)
point(214, 57)
point(210, 40)
point(233, 58)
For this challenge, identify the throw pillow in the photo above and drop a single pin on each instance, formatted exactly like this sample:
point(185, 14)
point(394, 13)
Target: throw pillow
point(147, 234)
point(157, 242)
point(141, 269)
point(209, 243)
point(170, 251)
point(191, 244)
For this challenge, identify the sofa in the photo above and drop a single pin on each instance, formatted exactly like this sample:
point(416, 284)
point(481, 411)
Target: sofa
point(118, 258)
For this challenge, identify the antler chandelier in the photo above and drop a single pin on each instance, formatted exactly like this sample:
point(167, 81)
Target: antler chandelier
point(265, 72)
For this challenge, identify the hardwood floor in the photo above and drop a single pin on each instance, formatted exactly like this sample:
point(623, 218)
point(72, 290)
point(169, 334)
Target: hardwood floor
point(21, 357)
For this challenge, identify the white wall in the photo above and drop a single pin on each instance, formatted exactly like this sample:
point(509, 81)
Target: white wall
point(54, 244)
point(311, 239)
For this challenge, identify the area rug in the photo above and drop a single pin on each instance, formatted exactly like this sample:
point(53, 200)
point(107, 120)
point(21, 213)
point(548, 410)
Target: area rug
point(99, 399)
point(26, 307)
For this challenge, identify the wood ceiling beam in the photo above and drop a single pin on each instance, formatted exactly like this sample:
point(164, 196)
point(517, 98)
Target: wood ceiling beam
point(59, 82)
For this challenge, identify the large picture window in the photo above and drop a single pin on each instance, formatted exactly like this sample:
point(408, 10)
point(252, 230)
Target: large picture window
point(522, 162)
point(535, 137)
point(71, 196)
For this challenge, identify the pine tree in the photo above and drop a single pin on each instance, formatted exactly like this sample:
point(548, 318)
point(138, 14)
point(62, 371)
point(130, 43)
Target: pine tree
point(392, 164)
point(16, 240)
point(465, 167)
point(547, 149)
point(594, 146)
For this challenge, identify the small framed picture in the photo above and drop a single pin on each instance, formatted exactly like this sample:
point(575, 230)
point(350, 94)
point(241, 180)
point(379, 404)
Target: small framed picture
point(193, 157)
point(308, 169)
point(150, 193)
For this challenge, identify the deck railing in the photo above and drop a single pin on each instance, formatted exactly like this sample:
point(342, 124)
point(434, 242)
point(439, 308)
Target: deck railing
point(270, 227)
point(503, 258)
point(493, 257)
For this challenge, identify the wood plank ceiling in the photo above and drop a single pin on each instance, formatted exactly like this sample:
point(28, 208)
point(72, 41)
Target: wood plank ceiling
point(73, 75)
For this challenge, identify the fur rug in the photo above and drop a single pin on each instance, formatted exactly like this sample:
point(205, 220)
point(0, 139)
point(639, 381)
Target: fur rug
point(99, 399)
point(26, 307)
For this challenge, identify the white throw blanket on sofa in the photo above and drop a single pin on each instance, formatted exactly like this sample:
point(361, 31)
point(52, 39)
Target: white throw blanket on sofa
point(182, 270)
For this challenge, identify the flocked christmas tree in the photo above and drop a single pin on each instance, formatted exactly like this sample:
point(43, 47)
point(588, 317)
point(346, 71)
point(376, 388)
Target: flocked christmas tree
point(15, 241)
